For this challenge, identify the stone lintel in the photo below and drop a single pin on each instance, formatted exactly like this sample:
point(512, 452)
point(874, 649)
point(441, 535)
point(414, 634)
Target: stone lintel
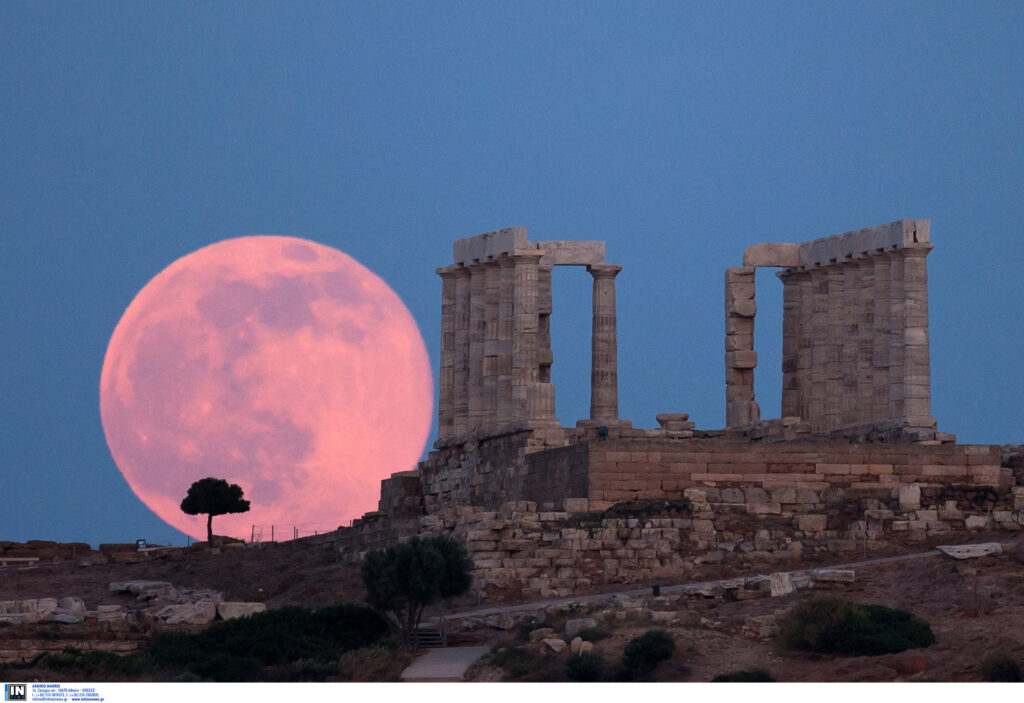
point(901, 234)
point(490, 244)
point(780, 254)
point(568, 253)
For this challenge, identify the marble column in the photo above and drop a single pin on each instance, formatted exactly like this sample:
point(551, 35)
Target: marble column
point(819, 348)
point(506, 322)
point(792, 334)
point(525, 368)
point(446, 374)
point(806, 344)
point(834, 348)
point(896, 342)
point(880, 355)
point(604, 379)
point(740, 357)
point(849, 415)
point(916, 353)
point(865, 340)
point(477, 334)
point(492, 283)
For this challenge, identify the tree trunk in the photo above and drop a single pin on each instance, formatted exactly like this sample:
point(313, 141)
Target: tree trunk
point(209, 529)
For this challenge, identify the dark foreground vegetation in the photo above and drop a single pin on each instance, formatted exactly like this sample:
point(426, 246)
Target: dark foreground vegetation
point(831, 625)
point(338, 643)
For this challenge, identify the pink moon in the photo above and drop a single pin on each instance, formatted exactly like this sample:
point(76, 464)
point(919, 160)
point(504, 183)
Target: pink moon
point(275, 363)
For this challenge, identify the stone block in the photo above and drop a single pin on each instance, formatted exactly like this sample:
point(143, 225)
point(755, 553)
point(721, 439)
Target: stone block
point(976, 522)
point(576, 645)
point(971, 551)
point(812, 523)
point(909, 497)
point(540, 633)
point(229, 611)
point(554, 644)
point(839, 575)
point(572, 627)
point(773, 254)
point(575, 505)
point(201, 613)
point(781, 584)
point(741, 359)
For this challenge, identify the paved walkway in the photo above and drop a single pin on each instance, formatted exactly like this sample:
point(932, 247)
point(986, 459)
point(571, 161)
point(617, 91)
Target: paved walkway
point(447, 664)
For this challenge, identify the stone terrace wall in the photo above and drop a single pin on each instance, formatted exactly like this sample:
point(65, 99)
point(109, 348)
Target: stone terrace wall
point(628, 469)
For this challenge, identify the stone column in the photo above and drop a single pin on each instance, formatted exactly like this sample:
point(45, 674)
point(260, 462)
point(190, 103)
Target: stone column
point(806, 344)
point(524, 331)
point(865, 340)
point(545, 357)
point(477, 333)
point(834, 348)
point(896, 342)
point(604, 375)
point(849, 414)
point(819, 348)
point(740, 357)
point(492, 282)
point(916, 354)
point(792, 333)
point(446, 375)
point(506, 322)
point(880, 355)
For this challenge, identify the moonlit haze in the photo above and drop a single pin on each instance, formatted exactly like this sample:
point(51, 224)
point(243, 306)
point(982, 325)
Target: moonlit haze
point(272, 362)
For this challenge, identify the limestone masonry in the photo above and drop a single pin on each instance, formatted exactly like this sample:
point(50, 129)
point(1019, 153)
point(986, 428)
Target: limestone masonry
point(855, 460)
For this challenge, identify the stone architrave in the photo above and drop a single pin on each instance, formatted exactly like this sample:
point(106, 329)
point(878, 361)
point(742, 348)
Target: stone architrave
point(604, 379)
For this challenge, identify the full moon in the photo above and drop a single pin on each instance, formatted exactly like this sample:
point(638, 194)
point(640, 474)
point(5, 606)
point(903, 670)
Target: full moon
point(275, 363)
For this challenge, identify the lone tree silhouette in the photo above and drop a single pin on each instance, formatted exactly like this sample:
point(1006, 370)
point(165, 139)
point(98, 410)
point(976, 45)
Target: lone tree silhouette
point(213, 496)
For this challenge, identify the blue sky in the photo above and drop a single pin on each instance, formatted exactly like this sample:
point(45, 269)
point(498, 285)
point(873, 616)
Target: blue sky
point(132, 133)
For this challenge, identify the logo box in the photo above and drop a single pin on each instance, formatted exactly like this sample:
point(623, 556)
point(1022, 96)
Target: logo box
point(15, 692)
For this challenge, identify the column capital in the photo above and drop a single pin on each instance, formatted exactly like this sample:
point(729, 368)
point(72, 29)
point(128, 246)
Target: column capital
point(600, 271)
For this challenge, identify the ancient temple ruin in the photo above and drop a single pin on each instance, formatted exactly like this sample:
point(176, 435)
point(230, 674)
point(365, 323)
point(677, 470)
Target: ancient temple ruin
point(496, 334)
point(855, 462)
point(855, 330)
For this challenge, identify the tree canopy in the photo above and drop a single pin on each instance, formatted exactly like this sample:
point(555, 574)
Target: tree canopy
point(405, 578)
point(213, 496)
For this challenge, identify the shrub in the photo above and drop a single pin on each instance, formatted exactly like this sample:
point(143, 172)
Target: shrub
point(238, 649)
point(585, 667)
point(516, 661)
point(999, 666)
point(745, 676)
point(837, 626)
point(643, 654)
point(372, 664)
point(595, 634)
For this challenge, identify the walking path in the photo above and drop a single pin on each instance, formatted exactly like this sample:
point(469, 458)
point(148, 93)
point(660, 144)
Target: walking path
point(446, 664)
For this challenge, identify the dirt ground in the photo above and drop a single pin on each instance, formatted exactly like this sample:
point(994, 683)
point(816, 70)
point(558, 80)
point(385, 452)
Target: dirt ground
point(974, 607)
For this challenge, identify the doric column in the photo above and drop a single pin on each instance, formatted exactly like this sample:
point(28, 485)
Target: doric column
point(896, 342)
point(916, 354)
point(792, 334)
point(834, 348)
point(604, 379)
point(806, 344)
point(524, 331)
point(446, 375)
point(865, 340)
point(740, 357)
point(880, 356)
point(492, 283)
point(477, 333)
point(545, 357)
point(819, 348)
point(506, 322)
point(850, 342)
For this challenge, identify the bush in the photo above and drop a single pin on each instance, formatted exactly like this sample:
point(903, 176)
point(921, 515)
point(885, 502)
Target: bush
point(837, 626)
point(516, 661)
point(372, 664)
point(237, 650)
point(999, 666)
point(745, 676)
point(585, 667)
point(595, 634)
point(643, 654)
